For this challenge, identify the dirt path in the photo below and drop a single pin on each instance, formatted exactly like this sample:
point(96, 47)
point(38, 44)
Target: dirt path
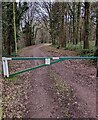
point(66, 89)
point(86, 92)
point(82, 78)
point(42, 104)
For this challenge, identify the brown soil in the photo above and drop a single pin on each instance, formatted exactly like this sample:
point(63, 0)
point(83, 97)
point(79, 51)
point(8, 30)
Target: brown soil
point(66, 89)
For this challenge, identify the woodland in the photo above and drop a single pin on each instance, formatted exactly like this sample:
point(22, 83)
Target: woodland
point(40, 29)
point(68, 25)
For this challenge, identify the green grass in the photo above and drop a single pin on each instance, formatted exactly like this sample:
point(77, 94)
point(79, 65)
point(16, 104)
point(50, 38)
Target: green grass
point(10, 78)
point(79, 48)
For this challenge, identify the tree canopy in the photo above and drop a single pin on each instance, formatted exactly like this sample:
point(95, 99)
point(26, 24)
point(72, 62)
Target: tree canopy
point(62, 23)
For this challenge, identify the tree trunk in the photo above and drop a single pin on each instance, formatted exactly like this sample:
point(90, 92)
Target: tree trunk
point(73, 22)
point(62, 37)
point(96, 44)
point(10, 43)
point(86, 25)
point(78, 22)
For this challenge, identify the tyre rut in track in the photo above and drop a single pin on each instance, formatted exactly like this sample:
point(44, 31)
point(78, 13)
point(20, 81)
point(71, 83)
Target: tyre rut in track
point(78, 76)
point(42, 105)
point(40, 101)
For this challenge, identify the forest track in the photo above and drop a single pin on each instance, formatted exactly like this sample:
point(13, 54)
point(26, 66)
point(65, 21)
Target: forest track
point(43, 105)
point(66, 89)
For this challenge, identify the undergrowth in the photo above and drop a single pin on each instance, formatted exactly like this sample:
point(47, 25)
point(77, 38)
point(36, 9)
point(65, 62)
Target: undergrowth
point(79, 48)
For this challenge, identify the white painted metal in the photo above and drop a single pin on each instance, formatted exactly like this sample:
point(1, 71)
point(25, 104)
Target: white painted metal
point(5, 66)
point(8, 58)
point(7, 71)
point(55, 58)
point(47, 61)
point(3, 62)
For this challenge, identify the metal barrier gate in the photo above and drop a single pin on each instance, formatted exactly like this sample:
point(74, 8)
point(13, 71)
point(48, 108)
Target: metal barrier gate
point(47, 61)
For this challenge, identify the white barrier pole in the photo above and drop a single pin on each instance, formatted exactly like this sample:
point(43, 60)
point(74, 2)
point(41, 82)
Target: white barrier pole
point(5, 66)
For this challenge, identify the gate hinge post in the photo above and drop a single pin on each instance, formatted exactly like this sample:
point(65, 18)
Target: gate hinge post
point(5, 67)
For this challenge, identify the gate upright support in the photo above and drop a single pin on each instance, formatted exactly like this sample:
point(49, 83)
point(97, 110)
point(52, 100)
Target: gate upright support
point(5, 66)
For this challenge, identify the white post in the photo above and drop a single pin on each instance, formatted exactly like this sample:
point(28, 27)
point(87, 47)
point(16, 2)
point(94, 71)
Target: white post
point(6, 64)
point(5, 67)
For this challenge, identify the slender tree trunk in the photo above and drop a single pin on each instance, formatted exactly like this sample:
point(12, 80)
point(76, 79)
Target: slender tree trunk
point(10, 30)
point(62, 27)
point(15, 29)
point(73, 22)
point(96, 44)
point(78, 22)
point(52, 19)
point(86, 26)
